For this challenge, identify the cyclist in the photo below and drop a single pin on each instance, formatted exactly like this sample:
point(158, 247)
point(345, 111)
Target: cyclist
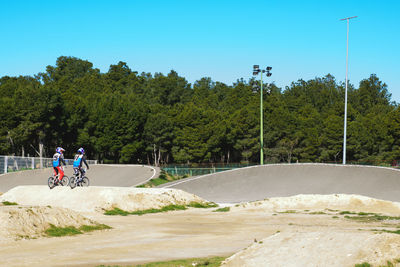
point(58, 158)
point(78, 159)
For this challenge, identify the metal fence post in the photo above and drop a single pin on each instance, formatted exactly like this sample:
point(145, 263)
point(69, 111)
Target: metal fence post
point(5, 164)
point(33, 163)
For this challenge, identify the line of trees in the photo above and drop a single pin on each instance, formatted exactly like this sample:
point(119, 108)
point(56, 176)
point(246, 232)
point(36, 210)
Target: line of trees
point(125, 117)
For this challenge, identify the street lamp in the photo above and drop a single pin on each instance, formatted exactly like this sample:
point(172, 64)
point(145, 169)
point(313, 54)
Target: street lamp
point(345, 97)
point(256, 71)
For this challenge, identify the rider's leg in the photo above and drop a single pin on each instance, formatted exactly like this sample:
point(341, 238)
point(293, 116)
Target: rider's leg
point(55, 169)
point(60, 170)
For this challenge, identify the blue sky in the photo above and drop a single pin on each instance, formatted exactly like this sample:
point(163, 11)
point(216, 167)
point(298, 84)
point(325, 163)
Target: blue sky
point(204, 38)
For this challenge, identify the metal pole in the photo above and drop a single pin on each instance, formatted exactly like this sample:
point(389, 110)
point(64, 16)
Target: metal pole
point(345, 97)
point(5, 164)
point(261, 125)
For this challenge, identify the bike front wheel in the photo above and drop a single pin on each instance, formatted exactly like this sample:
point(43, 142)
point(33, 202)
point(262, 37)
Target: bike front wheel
point(85, 181)
point(65, 181)
point(51, 182)
point(72, 182)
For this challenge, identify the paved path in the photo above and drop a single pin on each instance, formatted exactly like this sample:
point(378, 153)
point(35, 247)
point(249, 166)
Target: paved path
point(245, 184)
point(280, 180)
point(100, 175)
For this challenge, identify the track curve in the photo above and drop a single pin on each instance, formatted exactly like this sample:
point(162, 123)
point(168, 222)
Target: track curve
point(99, 175)
point(281, 180)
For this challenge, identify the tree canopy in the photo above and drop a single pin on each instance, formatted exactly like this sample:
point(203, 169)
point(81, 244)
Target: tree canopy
point(124, 117)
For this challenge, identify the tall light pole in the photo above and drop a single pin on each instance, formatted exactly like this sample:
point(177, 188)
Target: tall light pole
point(345, 97)
point(256, 71)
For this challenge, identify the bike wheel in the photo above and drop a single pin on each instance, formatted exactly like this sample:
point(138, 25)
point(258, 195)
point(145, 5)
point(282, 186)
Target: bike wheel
point(72, 182)
point(50, 182)
point(85, 181)
point(65, 181)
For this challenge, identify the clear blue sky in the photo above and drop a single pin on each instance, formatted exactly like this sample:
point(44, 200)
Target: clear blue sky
point(207, 38)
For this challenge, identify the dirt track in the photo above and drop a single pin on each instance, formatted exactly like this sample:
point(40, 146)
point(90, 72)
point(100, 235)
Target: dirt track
point(309, 228)
point(194, 233)
point(100, 175)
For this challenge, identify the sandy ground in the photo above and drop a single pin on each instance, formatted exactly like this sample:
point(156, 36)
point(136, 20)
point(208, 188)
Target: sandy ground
point(19, 222)
point(98, 198)
point(304, 230)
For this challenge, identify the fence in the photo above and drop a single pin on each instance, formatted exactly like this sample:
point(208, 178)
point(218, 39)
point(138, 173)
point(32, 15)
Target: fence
point(201, 169)
point(14, 163)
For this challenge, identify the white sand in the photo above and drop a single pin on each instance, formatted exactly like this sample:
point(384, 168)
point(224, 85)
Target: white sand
point(95, 198)
point(302, 240)
point(341, 202)
point(19, 222)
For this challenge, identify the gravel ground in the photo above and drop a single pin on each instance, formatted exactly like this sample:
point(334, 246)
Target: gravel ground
point(304, 230)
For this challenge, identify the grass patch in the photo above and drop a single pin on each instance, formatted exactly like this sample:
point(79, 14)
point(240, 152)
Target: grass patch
point(163, 209)
point(331, 210)
point(7, 203)
point(72, 230)
point(197, 262)
point(117, 211)
point(162, 179)
point(317, 213)
point(335, 217)
point(288, 211)
point(202, 205)
point(346, 212)
point(91, 228)
point(62, 231)
point(225, 209)
point(388, 231)
point(364, 264)
point(371, 218)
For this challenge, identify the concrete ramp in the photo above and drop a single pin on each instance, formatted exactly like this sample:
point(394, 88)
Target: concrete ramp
point(99, 175)
point(281, 180)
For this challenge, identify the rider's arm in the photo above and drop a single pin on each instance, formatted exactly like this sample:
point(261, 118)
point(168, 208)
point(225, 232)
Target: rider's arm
point(84, 161)
point(62, 161)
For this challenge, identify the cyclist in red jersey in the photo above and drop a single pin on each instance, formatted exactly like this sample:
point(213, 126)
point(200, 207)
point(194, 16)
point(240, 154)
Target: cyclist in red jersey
point(58, 158)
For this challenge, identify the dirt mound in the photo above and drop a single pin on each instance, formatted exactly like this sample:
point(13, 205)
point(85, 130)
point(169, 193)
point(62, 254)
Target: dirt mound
point(342, 202)
point(90, 199)
point(338, 248)
point(314, 244)
point(19, 222)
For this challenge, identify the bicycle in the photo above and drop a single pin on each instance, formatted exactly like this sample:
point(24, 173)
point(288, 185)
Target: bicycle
point(79, 178)
point(53, 181)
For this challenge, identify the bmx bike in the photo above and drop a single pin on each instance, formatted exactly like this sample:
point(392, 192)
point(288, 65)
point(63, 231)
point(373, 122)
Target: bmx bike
point(79, 178)
point(53, 181)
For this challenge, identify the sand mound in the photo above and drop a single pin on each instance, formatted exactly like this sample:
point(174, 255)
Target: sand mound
point(89, 199)
point(342, 202)
point(29, 222)
point(318, 245)
point(339, 248)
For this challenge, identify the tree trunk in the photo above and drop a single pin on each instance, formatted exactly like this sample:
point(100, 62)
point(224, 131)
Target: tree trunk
point(41, 153)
